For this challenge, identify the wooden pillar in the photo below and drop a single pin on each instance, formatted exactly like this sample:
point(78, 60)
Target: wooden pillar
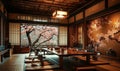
point(1, 30)
point(106, 4)
point(11, 51)
point(40, 57)
point(84, 30)
point(0, 58)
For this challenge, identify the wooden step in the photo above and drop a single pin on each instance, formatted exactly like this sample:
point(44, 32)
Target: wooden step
point(107, 68)
point(99, 63)
point(86, 68)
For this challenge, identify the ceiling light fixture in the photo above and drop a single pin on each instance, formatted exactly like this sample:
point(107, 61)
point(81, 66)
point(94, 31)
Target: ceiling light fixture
point(59, 14)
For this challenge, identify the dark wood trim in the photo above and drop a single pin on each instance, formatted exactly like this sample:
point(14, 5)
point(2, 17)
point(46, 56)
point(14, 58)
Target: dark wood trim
point(20, 35)
point(77, 22)
point(44, 23)
point(84, 30)
point(5, 28)
point(68, 38)
point(106, 4)
point(74, 18)
point(3, 15)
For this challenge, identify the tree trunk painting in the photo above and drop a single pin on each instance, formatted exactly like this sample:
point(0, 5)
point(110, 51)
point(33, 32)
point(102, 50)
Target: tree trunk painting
point(45, 34)
point(116, 36)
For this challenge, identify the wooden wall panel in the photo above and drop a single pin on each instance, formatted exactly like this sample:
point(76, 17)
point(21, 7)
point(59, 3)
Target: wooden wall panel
point(64, 21)
point(1, 7)
point(113, 2)
point(79, 16)
point(71, 20)
point(94, 9)
point(72, 35)
point(18, 49)
point(0, 30)
point(13, 16)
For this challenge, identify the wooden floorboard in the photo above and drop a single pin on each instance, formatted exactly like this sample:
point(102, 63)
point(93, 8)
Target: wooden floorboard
point(16, 63)
point(13, 63)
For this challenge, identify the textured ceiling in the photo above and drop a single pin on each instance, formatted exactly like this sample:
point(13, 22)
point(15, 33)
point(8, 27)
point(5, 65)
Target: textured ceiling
point(44, 7)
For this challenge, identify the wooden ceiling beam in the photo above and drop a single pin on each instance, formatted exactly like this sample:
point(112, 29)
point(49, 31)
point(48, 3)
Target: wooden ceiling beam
point(29, 3)
point(41, 13)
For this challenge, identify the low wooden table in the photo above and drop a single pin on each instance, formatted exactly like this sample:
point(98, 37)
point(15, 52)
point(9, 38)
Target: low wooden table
point(65, 52)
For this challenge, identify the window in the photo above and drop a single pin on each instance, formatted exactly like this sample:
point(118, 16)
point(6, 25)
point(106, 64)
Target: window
point(56, 34)
point(14, 33)
point(62, 35)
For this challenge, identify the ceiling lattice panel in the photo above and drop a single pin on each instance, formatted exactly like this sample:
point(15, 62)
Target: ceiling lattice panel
point(44, 7)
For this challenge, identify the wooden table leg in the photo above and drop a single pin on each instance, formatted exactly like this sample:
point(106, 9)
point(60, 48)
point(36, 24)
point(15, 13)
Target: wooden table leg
point(40, 57)
point(88, 59)
point(61, 62)
point(0, 58)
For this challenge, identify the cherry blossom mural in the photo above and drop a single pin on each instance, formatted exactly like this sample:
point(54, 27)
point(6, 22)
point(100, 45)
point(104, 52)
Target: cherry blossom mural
point(105, 31)
point(35, 35)
point(107, 27)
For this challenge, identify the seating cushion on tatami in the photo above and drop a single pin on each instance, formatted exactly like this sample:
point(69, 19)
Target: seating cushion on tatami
point(37, 66)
